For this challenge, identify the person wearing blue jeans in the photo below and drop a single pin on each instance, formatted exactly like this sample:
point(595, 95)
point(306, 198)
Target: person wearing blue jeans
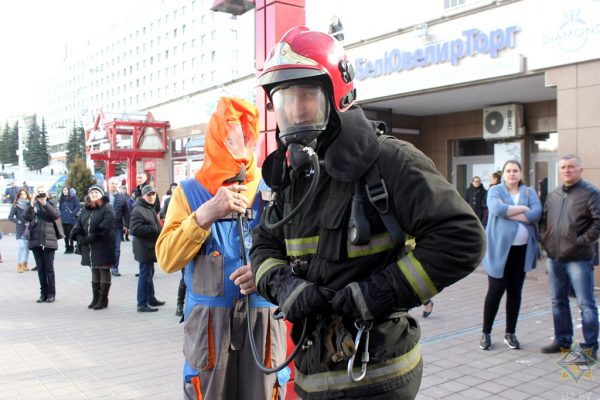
point(145, 288)
point(145, 227)
point(580, 276)
point(571, 227)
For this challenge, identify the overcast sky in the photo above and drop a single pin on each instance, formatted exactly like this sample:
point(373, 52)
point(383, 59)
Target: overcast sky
point(33, 37)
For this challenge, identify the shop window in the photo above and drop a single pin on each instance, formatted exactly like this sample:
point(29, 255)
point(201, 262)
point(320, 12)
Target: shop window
point(473, 147)
point(547, 143)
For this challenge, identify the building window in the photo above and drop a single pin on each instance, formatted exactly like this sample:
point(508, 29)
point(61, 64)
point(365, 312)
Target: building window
point(473, 147)
point(449, 4)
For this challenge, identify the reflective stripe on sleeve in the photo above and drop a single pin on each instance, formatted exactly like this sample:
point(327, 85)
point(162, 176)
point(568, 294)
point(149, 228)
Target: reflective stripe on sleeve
point(338, 380)
point(302, 246)
point(289, 302)
point(416, 276)
point(378, 244)
point(266, 266)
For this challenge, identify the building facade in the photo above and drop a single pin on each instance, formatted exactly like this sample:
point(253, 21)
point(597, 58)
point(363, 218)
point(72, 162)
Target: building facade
point(471, 83)
point(491, 82)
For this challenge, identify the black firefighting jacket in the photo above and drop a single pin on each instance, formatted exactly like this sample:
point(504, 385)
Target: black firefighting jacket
point(450, 243)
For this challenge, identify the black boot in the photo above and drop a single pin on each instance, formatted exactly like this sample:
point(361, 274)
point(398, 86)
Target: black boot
point(103, 296)
point(180, 298)
point(95, 290)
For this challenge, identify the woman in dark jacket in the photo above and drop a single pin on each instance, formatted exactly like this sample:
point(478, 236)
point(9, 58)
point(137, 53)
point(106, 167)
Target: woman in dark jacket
point(44, 230)
point(21, 203)
point(145, 227)
point(94, 230)
point(69, 207)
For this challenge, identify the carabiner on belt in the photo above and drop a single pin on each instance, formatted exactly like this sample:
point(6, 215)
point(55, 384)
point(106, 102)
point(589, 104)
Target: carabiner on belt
point(363, 327)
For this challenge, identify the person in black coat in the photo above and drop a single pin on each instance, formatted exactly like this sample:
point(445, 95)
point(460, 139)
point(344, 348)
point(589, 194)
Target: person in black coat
point(145, 227)
point(68, 205)
point(119, 203)
point(44, 231)
point(94, 230)
point(477, 197)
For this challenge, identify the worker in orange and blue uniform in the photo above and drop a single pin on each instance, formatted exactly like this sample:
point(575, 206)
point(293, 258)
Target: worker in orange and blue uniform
point(201, 234)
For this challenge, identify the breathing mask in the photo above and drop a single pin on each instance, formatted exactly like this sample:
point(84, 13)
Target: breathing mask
point(302, 114)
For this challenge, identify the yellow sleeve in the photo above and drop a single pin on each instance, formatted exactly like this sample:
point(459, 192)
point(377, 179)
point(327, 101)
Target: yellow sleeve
point(181, 237)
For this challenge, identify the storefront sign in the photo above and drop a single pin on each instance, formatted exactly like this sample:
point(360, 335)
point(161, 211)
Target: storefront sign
point(472, 42)
point(565, 32)
point(149, 165)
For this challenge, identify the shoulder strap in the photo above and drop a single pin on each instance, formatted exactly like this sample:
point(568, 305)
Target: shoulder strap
point(195, 193)
point(380, 199)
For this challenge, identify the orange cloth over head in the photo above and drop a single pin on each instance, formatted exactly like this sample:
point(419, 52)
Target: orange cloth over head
point(219, 164)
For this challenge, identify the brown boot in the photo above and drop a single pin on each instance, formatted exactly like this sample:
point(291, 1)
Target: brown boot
point(19, 267)
point(25, 267)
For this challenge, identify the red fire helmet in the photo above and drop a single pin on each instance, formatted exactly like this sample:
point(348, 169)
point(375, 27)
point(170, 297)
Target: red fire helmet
point(304, 54)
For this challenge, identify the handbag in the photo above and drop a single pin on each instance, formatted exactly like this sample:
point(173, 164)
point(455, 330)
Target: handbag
point(26, 233)
point(58, 229)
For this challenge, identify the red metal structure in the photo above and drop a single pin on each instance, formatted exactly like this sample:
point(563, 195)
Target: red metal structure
point(273, 19)
point(130, 137)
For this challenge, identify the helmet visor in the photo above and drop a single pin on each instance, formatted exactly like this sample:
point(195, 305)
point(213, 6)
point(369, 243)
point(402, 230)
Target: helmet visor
point(240, 146)
point(300, 107)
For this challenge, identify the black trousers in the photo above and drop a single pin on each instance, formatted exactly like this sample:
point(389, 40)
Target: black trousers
point(67, 229)
point(44, 261)
point(512, 284)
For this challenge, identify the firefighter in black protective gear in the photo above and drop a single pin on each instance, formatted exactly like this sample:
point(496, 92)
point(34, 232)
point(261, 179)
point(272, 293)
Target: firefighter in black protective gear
point(311, 267)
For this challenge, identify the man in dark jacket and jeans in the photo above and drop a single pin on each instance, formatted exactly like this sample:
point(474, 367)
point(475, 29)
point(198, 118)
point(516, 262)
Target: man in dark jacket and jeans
point(119, 203)
point(145, 228)
point(570, 227)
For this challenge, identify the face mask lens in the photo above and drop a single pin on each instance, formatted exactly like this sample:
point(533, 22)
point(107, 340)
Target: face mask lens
point(239, 146)
point(300, 107)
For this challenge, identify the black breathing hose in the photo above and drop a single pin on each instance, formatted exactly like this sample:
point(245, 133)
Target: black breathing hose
point(257, 359)
point(309, 193)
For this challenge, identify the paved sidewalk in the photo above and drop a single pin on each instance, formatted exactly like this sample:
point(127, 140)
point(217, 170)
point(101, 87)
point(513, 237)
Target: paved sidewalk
point(64, 351)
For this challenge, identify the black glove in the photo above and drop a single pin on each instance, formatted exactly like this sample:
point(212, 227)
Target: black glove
point(301, 299)
point(366, 300)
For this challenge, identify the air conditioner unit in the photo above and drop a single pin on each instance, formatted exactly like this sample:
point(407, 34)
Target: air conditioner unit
point(504, 121)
